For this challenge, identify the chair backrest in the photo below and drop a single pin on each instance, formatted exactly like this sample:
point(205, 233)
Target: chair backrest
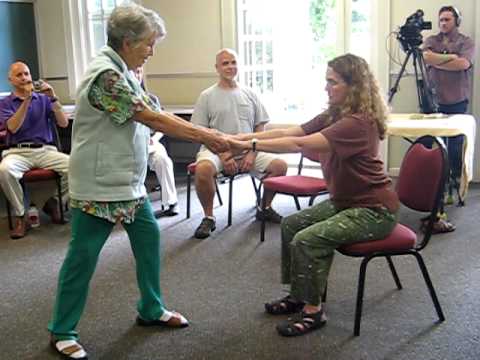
point(310, 155)
point(56, 135)
point(422, 178)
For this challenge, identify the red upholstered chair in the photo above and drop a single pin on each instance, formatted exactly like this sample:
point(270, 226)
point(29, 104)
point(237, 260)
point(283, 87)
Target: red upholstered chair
point(230, 178)
point(37, 175)
point(420, 187)
point(295, 185)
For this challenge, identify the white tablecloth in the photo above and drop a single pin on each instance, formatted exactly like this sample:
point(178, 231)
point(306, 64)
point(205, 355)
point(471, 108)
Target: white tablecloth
point(416, 125)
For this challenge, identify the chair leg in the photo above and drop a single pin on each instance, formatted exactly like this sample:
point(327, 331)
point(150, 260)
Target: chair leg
point(189, 183)
point(428, 281)
point(230, 199)
point(324, 294)
point(360, 291)
point(257, 189)
point(394, 272)
point(262, 226)
point(60, 202)
point(217, 190)
point(9, 214)
point(297, 203)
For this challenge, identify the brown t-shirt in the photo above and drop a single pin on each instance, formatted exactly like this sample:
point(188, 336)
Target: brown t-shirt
point(353, 171)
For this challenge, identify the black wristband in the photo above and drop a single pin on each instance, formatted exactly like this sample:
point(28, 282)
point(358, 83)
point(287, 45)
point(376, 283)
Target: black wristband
point(53, 99)
point(254, 144)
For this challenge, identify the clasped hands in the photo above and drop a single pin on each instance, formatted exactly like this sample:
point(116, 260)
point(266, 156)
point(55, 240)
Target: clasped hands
point(233, 150)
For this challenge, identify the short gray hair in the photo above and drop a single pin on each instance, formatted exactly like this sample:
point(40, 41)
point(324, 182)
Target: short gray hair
point(134, 23)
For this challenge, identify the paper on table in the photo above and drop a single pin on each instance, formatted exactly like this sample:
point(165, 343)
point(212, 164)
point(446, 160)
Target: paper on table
point(418, 116)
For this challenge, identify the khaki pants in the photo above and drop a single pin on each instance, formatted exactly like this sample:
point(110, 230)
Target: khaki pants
point(15, 162)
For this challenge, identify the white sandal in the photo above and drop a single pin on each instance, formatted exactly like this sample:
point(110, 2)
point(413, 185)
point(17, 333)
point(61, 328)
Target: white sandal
point(70, 349)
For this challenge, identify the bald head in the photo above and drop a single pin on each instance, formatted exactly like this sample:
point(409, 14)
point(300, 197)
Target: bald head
point(16, 67)
point(19, 76)
point(220, 54)
point(226, 65)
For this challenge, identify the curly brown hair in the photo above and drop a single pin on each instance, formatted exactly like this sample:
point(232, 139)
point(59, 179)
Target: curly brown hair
point(363, 96)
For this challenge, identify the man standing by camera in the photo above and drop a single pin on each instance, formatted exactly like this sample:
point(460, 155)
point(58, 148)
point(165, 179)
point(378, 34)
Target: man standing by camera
point(449, 56)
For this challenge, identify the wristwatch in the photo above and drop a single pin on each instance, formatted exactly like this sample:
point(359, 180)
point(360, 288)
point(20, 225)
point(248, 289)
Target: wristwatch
point(254, 144)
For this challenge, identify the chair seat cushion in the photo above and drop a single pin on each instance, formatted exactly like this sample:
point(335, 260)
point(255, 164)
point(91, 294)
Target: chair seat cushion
point(39, 175)
point(295, 184)
point(401, 238)
point(191, 168)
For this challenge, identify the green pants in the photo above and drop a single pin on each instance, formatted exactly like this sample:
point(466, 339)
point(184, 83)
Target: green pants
point(89, 234)
point(310, 237)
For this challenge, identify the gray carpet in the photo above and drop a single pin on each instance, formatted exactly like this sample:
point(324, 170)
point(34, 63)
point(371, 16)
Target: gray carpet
point(221, 283)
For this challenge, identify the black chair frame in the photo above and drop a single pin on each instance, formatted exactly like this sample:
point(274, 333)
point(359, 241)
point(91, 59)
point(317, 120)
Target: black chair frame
point(414, 252)
point(222, 179)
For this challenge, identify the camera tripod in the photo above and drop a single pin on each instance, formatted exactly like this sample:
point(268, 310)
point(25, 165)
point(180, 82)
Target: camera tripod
point(426, 101)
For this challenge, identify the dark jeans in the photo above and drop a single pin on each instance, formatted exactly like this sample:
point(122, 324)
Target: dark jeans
point(454, 143)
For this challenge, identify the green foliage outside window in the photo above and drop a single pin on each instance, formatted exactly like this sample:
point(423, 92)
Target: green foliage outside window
point(320, 21)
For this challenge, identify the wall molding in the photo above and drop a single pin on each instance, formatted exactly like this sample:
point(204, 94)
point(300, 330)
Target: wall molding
point(57, 78)
point(183, 75)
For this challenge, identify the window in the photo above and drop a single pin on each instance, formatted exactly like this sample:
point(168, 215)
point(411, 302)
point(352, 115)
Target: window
point(97, 12)
point(283, 56)
point(91, 16)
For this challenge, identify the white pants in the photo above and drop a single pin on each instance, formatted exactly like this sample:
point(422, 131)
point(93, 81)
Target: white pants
point(160, 162)
point(15, 162)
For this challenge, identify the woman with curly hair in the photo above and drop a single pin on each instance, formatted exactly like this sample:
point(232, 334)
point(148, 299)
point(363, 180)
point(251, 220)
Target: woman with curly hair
point(362, 205)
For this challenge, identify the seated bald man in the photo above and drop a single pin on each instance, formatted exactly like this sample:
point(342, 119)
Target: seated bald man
point(231, 108)
point(28, 116)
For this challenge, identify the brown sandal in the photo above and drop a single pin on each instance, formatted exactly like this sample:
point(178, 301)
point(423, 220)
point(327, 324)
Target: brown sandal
point(302, 324)
point(440, 226)
point(284, 306)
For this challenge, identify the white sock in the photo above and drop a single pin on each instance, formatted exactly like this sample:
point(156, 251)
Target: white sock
point(167, 315)
point(63, 344)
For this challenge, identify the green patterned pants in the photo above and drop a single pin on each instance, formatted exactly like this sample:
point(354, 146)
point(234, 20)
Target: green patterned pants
point(310, 237)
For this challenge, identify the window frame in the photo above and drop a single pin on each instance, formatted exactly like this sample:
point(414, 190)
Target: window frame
point(79, 44)
point(379, 24)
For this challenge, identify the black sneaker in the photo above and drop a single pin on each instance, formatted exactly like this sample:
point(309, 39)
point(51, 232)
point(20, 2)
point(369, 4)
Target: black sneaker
point(171, 211)
point(269, 215)
point(205, 228)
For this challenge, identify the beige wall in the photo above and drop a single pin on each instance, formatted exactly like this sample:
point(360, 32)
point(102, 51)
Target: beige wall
point(184, 63)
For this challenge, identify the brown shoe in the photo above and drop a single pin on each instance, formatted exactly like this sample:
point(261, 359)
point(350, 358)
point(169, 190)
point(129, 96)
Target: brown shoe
point(51, 209)
point(19, 228)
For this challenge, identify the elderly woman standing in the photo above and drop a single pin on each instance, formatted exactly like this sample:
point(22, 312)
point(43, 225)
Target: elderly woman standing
point(108, 166)
point(362, 205)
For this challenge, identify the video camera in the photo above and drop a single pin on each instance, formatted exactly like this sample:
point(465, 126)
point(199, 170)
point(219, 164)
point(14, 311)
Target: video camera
point(409, 34)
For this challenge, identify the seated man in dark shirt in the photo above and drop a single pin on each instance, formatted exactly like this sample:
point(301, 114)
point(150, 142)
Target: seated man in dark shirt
point(27, 115)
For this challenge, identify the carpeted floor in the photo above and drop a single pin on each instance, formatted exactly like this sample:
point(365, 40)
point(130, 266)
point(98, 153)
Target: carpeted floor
point(221, 283)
